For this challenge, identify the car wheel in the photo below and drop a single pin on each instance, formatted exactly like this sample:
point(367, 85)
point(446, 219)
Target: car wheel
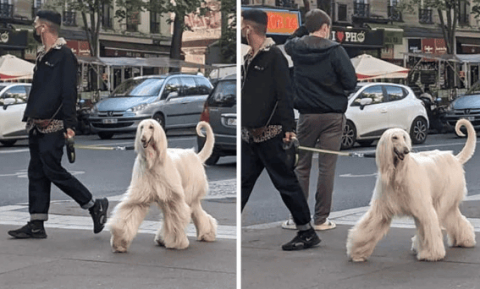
point(8, 143)
point(160, 119)
point(349, 135)
point(105, 135)
point(419, 130)
point(365, 143)
point(212, 160)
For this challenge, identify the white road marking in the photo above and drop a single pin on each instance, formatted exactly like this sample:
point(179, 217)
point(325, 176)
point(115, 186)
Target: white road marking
point(357, 176)
point(24, 174)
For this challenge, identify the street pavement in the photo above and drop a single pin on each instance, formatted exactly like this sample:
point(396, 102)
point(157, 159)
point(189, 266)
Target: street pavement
point(73, 257)
point(392, 265)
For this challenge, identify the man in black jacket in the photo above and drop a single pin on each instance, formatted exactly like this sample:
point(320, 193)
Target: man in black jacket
point(323, 75)
point(51, 118)
point(267, 122)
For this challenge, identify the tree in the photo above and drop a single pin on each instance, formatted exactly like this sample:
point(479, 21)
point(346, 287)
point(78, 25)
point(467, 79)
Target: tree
point(228, 40)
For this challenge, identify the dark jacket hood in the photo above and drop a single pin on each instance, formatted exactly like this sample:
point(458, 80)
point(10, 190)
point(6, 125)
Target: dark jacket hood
point(310, 49)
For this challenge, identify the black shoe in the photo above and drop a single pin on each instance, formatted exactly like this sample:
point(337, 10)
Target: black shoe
point(99, 214)
point(29, 231)
point(303, 240)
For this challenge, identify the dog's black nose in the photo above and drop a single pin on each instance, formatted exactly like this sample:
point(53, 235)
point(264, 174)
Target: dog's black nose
point(406, 151)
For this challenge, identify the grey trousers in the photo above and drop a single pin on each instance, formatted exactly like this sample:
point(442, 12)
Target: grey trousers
point(327, 130)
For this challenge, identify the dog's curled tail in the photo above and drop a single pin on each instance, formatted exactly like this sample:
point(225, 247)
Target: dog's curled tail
point(469, 148)
point(207, 149)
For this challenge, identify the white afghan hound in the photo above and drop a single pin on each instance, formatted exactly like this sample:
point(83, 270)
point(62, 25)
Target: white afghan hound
point(428, 186)
point(175, 180)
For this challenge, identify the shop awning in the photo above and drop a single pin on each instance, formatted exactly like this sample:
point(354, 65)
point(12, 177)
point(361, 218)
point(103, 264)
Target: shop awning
point(139, 62)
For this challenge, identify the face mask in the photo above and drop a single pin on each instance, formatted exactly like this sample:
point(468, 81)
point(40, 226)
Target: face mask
point(37, 37)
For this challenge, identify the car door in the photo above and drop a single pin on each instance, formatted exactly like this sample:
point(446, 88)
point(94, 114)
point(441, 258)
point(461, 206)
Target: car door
point(11, 124)
point(370, 120)
point(398, 108)
point(173, 108)
point(193, 101)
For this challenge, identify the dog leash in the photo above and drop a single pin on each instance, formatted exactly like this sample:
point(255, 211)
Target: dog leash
point(296, 144)
point(117, 148)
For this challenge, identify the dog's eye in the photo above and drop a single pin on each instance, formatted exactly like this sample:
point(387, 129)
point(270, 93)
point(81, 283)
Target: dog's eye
point(151, 127)
point(141, 127)
point(395, 137)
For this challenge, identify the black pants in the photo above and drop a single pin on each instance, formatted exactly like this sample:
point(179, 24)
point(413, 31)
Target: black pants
point(45, 168)
point(271, 156)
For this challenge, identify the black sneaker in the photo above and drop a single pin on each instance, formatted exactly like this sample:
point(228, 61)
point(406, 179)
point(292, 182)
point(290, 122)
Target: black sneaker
point(99, 214)
point(29, 231)
point(303, 240)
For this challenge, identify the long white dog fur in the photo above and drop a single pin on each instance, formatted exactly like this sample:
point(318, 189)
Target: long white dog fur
point(428, 186)
point(175, 180)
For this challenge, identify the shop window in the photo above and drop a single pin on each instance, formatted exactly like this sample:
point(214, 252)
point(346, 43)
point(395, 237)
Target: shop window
point(107, 16)
point(6, 9)
point(463, 13)
point(155, 22)
point(425, 15)
point(394, 13)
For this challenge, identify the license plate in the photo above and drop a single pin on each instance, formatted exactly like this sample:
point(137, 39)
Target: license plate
point(232, 121)
point(471, 118)
point(109, 120)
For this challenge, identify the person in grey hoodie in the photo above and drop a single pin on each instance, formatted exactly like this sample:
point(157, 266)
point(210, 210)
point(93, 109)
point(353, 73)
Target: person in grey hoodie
point(323, 75)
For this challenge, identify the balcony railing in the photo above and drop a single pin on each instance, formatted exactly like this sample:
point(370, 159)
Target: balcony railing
point(69, 18)
point(394, 13)
point(154, 27)
point(361, 10)
point(6, 10)
point(425, 16)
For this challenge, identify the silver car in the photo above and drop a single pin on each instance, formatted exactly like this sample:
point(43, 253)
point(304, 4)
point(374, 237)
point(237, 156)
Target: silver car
point(13, 101)
point(175, 101)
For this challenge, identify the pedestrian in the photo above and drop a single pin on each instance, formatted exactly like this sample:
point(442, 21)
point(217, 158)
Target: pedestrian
point(51, 118)
point(323, 77)
point(268, 122)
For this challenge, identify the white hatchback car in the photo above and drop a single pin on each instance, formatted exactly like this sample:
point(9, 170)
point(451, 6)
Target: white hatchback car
point(13, 101)
point(375, 107)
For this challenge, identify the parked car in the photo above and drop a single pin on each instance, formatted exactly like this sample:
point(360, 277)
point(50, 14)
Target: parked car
point(220, 110)
point(13, 101)
point(375, 107)
point(465, 106)
point(174, 100)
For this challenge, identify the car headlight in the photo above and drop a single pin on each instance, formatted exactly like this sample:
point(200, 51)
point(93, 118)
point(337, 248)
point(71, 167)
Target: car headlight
point(138, 107)
point(94, 109)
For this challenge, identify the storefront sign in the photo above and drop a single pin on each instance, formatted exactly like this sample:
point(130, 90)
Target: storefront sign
point(387, 52)
point(414, 45)
point(357, 37)
point(393, 37)
point(80, 48)
point(12, 39)
point(281, 22)
point(434, 45)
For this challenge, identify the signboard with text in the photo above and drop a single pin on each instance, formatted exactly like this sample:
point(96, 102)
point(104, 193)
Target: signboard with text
point(281, 22)
point(357, 37)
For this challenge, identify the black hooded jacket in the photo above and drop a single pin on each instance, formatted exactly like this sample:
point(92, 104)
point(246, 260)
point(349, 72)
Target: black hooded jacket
point(323, 73)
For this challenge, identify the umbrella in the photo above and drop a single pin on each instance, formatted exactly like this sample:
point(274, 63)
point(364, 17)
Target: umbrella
point(369, 67)
point(12, 67)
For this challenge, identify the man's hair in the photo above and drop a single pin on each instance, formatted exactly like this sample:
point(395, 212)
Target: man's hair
point(257, 18)
point(315, 19)
point(52, 19)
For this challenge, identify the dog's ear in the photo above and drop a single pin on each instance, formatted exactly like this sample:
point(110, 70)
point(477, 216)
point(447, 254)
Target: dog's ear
point(159, 139)
point(138, 137)
point(384, 157)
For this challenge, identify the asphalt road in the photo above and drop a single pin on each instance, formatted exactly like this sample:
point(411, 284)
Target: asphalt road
point(354, 182)
point(105, 173)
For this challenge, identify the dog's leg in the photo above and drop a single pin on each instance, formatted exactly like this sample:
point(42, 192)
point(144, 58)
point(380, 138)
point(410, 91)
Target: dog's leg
point(431, 246)
point(364, 236)
point(176, 218)
point(205, 224)
point(124, 223)
point(460, 232)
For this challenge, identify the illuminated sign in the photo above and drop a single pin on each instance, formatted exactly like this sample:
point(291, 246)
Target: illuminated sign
point(281, 22)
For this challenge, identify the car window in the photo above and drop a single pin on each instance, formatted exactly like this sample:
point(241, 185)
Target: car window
point(374, 92)
point(19, 93)
point(395, 92)
point(224, 94)
point(204, 85)
point(173, 85)
point(189, 86)
point(139, 87)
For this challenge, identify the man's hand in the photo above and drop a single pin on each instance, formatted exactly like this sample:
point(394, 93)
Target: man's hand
point(70, 133)
point(289, 136)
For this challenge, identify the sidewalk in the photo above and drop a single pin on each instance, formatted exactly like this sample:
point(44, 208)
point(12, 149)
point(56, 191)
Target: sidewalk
point(392, 265)
point(73, 257)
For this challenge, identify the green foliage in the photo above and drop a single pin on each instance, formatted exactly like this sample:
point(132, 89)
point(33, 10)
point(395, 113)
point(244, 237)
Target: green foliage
point(228, 40)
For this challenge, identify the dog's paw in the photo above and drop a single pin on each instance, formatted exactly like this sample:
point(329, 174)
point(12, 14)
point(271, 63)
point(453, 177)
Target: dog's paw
point(208, 237)
point(159, 242)
point(358, 259)
point(431, 256)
